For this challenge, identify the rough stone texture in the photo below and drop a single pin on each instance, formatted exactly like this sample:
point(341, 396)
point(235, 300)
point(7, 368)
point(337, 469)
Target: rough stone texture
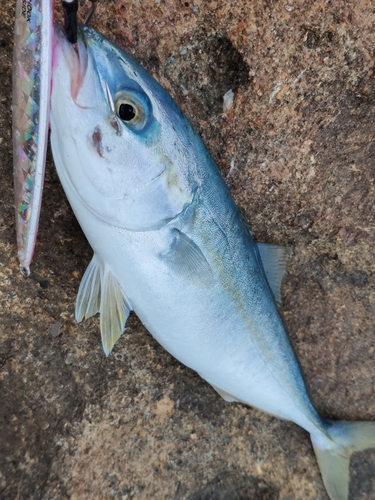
point(297, 150)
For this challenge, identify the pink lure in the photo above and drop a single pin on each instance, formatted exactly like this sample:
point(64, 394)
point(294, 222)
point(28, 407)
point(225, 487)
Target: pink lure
point(31, 95)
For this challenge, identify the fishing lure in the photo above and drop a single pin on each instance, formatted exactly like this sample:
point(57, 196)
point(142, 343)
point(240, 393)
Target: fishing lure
point(32, 61)
point(31, 91)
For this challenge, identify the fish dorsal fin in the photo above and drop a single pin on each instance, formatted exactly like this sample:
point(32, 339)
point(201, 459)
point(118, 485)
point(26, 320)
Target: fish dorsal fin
point(274, 260)
point(100, 291)
point(88, 298)
point(186, 258)
point(114, 310)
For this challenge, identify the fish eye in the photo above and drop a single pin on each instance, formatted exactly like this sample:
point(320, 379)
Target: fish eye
point(132, 108)
point(126, 112)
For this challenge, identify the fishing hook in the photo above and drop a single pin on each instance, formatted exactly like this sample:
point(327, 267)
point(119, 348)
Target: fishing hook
point(70, 14)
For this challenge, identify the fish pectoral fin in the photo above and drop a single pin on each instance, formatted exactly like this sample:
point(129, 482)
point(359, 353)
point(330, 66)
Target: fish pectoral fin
point(115, 308)
point(88, 298)
point(274, 259)
point(100, 291)
point(186, 259)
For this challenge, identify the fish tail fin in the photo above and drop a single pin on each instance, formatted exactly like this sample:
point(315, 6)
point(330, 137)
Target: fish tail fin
point(333, 454)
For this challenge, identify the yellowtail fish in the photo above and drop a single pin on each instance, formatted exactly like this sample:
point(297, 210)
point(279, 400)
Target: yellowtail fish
point(170, 244)
point(33, 34)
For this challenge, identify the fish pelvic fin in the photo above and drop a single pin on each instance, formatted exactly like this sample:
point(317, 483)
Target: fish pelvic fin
point(334, 455)
point(114, 311)
point(88, 298)
point(100, 291)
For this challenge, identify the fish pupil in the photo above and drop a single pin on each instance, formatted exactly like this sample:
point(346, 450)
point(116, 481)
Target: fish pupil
point(126, 112)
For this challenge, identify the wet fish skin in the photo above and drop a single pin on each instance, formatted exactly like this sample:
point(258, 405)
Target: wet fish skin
point(170, 244)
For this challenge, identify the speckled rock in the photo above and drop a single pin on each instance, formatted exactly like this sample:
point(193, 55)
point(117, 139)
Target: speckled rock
point(296, 147)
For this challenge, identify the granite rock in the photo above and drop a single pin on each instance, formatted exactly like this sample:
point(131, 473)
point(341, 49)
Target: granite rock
point(296, 147)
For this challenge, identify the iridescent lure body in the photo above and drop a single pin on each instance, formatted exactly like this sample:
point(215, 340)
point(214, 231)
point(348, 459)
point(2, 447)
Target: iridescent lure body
point(31, 91)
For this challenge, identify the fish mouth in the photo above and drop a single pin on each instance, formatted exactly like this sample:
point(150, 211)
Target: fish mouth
point(75, 57)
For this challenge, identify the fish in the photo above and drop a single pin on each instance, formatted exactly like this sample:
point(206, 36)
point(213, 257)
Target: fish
point(32, 59)
point(170, 244)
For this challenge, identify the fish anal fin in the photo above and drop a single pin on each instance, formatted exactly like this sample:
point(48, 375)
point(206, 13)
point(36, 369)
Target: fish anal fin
point(186, 259)
point(114, 310)
point(225, 395)
point(88, 298)
point(274, 259)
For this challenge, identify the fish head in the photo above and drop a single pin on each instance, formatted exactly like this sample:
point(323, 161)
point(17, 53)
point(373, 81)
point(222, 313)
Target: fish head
point(120, 143)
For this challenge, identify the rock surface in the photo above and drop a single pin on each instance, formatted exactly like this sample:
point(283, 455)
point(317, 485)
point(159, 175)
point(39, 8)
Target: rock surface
point(296, 147)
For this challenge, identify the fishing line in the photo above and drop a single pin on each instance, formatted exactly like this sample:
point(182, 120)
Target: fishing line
point(91, 11)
